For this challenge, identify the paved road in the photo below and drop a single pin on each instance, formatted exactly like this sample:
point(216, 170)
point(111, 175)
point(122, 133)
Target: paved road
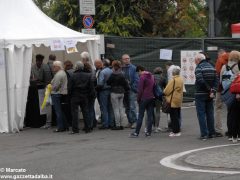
point(110, 155)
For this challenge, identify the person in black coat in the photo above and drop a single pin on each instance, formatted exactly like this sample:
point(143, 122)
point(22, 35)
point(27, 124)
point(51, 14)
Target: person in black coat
point(80, 88)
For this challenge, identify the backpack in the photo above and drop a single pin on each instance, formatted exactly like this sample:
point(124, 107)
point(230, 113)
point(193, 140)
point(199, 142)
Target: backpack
point(227, 77)
point(235, 86)
point(157, 91)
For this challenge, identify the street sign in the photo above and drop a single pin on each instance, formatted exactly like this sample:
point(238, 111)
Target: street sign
point(88, 21)
point(87, 7)
point(89, 31)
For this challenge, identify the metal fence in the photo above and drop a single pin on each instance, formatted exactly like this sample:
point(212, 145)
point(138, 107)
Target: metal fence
point(145, 51)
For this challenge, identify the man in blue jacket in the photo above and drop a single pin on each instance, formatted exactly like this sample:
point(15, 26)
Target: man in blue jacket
point(131, 75)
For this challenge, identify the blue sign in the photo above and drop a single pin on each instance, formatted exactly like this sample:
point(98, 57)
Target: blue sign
point(88, 22)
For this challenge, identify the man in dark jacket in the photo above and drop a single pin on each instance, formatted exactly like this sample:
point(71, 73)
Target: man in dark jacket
point(206, 86)
point(80, 88)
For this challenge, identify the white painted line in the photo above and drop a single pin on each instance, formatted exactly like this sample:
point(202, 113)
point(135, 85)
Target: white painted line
point(188, 107)
point(169, 161)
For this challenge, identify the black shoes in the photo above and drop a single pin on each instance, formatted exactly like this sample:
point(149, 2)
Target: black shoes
point(102, 127)
point(61, 130)
point(217, 134)
point(117, 128)
point(74, 132)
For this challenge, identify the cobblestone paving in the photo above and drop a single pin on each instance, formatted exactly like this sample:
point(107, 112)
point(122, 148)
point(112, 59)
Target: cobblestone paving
point(222, 157)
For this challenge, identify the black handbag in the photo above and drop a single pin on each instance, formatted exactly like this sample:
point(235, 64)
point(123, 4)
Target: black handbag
point(166, 106)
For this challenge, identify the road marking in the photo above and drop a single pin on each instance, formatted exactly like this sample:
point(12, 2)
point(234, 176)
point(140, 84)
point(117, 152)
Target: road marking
point(170, 161)
point(188, 107)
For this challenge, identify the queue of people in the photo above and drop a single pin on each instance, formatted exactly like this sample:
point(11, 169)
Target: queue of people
point(119, 85)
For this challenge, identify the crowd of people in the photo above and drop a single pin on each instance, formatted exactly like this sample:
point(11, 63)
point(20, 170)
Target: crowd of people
point(119, 85)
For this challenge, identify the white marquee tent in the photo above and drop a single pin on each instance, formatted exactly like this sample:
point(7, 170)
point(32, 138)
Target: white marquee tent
point(22, 26)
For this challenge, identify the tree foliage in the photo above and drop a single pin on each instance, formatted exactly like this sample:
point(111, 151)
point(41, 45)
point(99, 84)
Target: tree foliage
point(122, 17)
point(175, 18)
point(65, 12)
point(164, 18)
point(228, 13)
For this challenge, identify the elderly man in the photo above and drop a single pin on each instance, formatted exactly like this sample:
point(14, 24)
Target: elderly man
point(59, 91)
point(130, 97)
point(80, 88)
point(206, 86)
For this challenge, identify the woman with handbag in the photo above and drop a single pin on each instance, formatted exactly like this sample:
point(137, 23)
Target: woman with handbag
point(174, 96)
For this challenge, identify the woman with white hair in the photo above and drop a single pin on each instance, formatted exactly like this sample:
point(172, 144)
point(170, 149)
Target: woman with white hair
point(174, 95)
point(59, 91)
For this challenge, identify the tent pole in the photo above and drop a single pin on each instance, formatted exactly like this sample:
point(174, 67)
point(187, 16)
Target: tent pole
point(7, 87)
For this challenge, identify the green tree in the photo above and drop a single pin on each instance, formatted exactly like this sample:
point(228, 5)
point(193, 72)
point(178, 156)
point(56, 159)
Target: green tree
point(42, 4)
point(165, 18)
point(228, 13)
point(120, 17)
point(175, 18)
point(65, 12)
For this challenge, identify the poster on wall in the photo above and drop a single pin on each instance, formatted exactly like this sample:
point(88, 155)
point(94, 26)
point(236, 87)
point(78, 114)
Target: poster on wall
point(188, 66)
point(57, 45)
point(166, 54)
point(71, 46)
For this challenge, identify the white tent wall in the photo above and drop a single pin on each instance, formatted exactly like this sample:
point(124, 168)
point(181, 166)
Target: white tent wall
point(22, 27)
point(18, 68)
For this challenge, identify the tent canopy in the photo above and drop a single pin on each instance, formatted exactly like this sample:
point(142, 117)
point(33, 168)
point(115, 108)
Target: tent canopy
point(22, 26)
point(22, 22)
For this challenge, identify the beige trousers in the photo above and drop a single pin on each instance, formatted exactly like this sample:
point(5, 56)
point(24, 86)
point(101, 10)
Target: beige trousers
point(218, 113)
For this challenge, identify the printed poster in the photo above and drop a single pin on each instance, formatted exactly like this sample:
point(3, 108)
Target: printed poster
point(188, 66)
point(57, 45)
point(71, 46)
point(166, 54)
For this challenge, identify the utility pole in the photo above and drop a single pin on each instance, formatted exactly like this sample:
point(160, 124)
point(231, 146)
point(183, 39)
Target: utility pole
point(211, 19)
point(214, 25)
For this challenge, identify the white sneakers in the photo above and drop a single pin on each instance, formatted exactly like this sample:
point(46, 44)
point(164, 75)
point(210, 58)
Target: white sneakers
point(234, 140)
point(174, 134)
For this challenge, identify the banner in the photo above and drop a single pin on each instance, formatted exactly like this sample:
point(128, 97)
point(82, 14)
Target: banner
point(188, 66)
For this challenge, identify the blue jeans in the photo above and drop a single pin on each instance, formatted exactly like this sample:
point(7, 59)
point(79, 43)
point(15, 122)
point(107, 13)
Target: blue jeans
point(145, 105)
point(62, 123)
point(106, 108)
point(205, 114)
point(130, 107)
